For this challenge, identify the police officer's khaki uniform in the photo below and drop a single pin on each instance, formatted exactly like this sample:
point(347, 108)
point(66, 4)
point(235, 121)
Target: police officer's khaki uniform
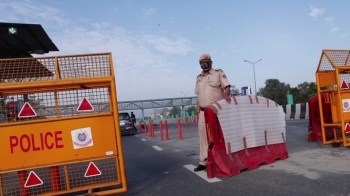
point(209, 89)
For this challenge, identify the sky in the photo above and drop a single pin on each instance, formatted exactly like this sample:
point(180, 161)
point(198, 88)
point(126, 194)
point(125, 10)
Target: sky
point(156, 44)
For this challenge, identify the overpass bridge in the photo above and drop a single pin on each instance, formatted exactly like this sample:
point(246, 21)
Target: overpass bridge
point(157, 103)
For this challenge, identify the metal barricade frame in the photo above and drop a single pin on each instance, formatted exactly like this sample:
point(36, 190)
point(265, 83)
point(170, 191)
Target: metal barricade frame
point(62, 147)
point(332, 79)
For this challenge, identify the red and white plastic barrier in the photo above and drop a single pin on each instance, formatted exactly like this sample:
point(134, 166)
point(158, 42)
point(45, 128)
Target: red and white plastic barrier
point(244, 134)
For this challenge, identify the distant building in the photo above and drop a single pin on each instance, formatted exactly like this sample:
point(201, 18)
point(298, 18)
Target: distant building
point(159, 113)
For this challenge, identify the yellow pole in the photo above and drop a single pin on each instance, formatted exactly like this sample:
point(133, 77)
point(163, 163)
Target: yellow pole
point(117, 130)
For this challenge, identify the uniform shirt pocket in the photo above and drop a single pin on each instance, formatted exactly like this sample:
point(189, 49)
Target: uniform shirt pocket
point(214, 83)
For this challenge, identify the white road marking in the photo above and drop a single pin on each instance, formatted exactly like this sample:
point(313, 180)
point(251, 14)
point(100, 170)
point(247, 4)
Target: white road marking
point(157, 148)
point(201, 174)
point(144, 140)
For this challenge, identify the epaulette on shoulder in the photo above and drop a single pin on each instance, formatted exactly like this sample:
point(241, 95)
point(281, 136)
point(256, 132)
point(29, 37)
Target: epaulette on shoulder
point(218, 70)
point(198, 75)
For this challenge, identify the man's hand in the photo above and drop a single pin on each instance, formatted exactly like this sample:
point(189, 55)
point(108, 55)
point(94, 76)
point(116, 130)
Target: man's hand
point(226, 94)
point(227, 98)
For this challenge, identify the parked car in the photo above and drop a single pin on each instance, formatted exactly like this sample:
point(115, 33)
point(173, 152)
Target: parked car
point(126, 125)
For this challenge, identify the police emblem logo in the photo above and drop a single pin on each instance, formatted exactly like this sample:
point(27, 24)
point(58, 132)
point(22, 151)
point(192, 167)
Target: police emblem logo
point(346, 105)
point(82, 138)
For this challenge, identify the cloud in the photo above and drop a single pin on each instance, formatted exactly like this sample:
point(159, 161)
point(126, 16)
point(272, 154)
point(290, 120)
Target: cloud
point(148, 11)
point(316, 12)
point(141, 71)
point(165, 45)
point(334, 29)
point(145, 65)
point(344, 34)
point(329, 20)
point(27, 12)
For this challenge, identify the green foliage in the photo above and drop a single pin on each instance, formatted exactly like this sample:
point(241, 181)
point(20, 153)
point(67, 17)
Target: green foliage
point(303, 92)
point(234, 90)
point(175, 110)
point(312, 89)
point(275, 90)
point(191, 109)
point(278, 91)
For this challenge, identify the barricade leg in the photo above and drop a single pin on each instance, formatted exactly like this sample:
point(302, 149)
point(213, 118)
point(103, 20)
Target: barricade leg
point(210, 169)
point(55, 179)
point(22, 177)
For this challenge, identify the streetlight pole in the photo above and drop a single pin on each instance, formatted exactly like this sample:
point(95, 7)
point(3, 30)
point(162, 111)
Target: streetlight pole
point(253, 70)
point(185, 93)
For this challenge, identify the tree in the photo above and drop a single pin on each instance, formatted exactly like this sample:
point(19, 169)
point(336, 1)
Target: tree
point(296, 94)
point(303, 92)
point(275, 90)
point(175, 110)
point(191, 109)
point(312, 90)
point(234, 90)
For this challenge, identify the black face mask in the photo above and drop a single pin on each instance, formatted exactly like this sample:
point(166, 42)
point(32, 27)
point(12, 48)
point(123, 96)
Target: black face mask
point(205, 65)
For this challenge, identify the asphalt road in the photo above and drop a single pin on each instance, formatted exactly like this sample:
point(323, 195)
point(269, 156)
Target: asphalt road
point(157, 167)
point(165, 168)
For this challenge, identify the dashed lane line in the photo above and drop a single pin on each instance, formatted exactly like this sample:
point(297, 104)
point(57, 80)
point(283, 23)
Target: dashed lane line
point(201, 174)
point(157, 148)
point(144, 140)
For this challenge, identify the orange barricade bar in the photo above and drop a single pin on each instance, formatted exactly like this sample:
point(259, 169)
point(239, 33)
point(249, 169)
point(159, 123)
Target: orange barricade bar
point(57, 126)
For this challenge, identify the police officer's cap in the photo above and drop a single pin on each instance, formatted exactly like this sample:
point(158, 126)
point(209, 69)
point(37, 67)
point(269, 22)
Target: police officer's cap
point(204, 57)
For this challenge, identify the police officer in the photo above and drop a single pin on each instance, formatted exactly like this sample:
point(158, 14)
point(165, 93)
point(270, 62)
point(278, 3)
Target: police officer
point(212, 85)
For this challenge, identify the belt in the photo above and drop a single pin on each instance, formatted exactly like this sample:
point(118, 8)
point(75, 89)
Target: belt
point(202, 109)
